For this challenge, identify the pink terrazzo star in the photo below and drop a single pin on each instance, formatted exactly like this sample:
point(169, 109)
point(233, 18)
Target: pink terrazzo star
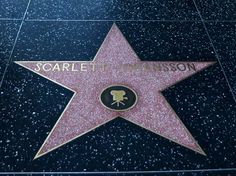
point(85, 112)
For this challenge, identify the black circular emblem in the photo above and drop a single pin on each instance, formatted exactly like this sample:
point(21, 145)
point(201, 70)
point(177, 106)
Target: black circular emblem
point(118, 98)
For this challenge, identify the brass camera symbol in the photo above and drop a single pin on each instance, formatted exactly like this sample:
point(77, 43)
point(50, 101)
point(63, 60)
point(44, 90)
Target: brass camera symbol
point(118, 97)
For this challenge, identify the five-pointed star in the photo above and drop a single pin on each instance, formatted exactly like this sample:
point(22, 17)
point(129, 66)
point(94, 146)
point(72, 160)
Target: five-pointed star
point(85, 112)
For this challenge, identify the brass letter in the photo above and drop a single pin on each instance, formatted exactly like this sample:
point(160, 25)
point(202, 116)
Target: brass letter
point(65, 66)
point(83, 67)
point(93, 66)
point(56, 67)
point(181, 66)
point(73, 67)
point(50, 67)
point(38, 65)
point(191, 66)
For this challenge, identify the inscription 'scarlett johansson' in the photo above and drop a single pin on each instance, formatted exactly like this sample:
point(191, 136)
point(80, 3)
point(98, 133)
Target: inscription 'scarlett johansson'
point(85, 112)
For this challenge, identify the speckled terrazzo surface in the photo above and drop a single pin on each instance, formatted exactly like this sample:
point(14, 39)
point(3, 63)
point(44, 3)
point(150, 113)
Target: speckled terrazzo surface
point(30, 105)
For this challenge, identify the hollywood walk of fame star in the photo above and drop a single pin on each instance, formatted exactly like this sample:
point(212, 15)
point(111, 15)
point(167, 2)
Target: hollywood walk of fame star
point(85, 112)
